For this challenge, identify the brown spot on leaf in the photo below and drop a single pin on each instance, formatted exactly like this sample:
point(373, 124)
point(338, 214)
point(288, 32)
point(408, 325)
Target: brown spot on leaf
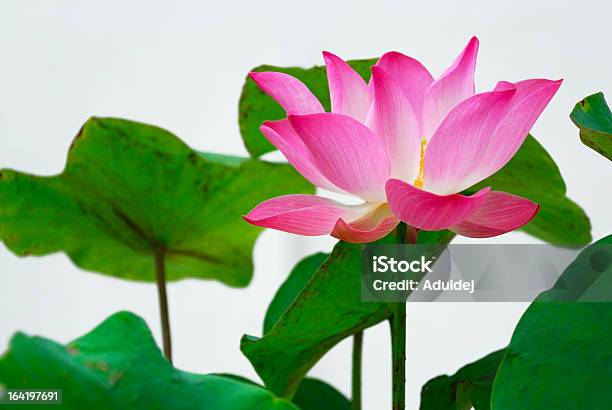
point(103, 366)
point(115, 377)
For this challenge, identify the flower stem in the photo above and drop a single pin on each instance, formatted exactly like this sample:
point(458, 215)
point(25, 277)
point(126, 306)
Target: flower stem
point(398, 348)
point(356, 376)
point(160, 278)
point(405, 235)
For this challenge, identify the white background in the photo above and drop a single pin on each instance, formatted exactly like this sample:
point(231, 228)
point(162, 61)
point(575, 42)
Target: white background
point(181, 65)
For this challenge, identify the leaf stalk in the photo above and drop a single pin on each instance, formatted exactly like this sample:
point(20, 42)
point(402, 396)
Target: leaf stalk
point(356, 373)
point(160, 279)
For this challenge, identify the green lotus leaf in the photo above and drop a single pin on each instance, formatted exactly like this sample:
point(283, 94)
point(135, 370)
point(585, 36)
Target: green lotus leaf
point(470, 387)
point(314, 394)
point(319, 306)
point(559, 356)
point(129, 190)
point(594, 119)
point(118, 366)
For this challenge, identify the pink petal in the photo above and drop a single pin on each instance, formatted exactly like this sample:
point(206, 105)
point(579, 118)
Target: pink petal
point(454, 85)
point(368, 228)
point(504, 85)
point(413, 77)
point(346, 152)
point(348, 91)
point(530, 99)
point(428, 211)
point(288, 91)
point(500, 213)
point(460, 145)
point(394, 122)
point(282, 136)
point(483, 133)
point(302, 214)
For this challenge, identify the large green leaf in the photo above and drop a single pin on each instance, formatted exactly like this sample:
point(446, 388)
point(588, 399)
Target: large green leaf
point(533, 174)
point(314, 394)
point(470, 387)
point(592, 115)
point(325, 311)
point(296, 281)
point(118, 366)
point(543, 347)
point(587, 279)
point(130, 188)
point(559, 356)
point(255, 106)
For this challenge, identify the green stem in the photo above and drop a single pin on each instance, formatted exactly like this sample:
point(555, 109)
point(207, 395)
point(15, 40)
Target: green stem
point(160, 279)
point(356, 376)
point(398, 348)
point(405, 235)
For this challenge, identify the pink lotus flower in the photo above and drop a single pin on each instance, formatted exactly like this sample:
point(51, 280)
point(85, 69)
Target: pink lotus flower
point(406, 144)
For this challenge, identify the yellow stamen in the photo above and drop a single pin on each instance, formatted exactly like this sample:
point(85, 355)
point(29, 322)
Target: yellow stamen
point(420, 179)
